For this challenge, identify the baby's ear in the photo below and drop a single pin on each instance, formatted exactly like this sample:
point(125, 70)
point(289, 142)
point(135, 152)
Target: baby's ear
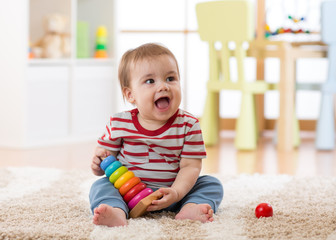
point(127, 92)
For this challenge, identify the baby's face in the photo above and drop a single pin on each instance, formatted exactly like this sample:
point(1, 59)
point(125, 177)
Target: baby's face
point(155, 88)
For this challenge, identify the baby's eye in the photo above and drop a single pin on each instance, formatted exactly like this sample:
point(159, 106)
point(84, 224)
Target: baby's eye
point(149, 81)
point(170, 79)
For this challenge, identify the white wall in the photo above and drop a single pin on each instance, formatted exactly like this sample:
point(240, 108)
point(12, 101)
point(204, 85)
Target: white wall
point(13, 42)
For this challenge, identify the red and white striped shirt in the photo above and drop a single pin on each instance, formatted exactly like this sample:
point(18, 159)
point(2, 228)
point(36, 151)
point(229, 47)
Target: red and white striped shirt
point(154, 156)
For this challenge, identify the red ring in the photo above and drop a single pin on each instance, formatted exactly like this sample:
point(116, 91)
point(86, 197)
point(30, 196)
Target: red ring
point(134, 191)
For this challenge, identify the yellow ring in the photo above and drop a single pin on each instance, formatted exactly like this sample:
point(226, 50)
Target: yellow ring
point(123, 179)
point(117, 173)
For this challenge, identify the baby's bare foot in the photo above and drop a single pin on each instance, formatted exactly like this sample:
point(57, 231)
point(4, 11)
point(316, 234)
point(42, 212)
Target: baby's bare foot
point(109, 216)
point(199, 212)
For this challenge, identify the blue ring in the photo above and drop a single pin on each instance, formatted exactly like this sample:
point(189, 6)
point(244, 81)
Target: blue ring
point(107, 161)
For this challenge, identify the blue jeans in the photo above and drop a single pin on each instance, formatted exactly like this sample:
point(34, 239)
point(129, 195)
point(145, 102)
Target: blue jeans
point(207, 189)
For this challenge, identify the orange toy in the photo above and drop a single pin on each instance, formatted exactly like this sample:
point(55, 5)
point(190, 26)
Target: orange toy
point(100, 54)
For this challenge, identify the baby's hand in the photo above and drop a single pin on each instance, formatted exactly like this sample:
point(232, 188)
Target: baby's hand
point(170, 196)
point(100, 153)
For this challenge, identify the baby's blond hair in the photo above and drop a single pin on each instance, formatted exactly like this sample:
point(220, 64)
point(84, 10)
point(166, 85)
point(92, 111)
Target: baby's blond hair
point(132, 56)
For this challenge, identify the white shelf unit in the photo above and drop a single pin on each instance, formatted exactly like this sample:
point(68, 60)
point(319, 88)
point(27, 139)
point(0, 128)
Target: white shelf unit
point(54, 101)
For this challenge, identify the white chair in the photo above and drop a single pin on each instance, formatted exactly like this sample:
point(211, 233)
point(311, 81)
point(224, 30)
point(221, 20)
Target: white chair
point(325, 130)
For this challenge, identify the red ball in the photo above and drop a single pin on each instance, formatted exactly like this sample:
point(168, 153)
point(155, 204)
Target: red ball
point(264, 210)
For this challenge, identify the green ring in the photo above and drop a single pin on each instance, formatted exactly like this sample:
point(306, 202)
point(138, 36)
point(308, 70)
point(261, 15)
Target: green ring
point(120, 171)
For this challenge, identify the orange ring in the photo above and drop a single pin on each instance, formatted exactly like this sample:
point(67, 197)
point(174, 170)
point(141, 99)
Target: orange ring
point(128, 185)
point(123, 179)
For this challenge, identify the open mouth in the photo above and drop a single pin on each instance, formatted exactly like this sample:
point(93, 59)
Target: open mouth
point(162, 103)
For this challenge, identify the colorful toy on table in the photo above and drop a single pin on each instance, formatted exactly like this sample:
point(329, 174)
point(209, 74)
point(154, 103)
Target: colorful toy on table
point(282, 30)
point(101, 42)
point(296, 20)
point(135, 193)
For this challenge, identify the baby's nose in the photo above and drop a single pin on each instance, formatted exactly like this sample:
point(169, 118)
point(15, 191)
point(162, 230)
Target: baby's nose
point(163, 86)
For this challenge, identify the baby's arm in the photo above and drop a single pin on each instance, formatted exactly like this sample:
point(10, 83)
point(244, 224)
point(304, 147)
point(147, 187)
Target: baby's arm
point(99, 154)
point(186, 178)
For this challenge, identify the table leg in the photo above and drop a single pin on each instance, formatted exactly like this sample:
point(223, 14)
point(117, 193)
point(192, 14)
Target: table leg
point(286, 92)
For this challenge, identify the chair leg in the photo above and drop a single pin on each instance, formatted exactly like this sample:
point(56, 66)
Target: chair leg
point(296, 132)
point(246, 127)
point(325, 130)
point(210, 119)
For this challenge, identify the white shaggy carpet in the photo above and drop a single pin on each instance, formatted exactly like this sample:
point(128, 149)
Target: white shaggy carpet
point(40, 203)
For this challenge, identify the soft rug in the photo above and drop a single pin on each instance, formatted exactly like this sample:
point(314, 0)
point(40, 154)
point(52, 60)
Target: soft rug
point(41, 203)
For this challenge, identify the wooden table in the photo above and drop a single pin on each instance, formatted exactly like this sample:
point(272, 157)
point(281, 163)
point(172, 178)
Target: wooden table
point(288, 53)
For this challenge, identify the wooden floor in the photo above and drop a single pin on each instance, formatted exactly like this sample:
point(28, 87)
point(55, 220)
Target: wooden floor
point(222, 159)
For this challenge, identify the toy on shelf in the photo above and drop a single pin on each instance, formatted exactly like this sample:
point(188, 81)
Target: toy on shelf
point(83, 40)
point(134, 192)
point(56, 42)
point(101, 42)
point(30, 52)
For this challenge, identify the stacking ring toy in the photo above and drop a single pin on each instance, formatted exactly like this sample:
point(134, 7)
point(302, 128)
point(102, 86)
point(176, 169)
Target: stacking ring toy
point(134, 191)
